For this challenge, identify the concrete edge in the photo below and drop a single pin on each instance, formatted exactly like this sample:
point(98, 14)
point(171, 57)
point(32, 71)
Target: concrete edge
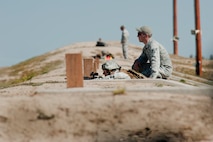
point(159, 81)
point(98, 91)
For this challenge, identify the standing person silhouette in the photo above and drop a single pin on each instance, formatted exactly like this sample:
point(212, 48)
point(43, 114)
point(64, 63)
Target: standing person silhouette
point(124, 41)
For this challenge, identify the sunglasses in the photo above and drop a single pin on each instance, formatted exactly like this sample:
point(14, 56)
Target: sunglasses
point(141, 33)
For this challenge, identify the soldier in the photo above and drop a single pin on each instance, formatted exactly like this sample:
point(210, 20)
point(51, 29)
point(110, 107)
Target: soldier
point(100, 43)
point(111, 70)
point(124, 41)
point(154, 61)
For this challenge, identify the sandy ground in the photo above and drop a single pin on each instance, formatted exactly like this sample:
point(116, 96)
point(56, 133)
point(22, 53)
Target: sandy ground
point(44, 110)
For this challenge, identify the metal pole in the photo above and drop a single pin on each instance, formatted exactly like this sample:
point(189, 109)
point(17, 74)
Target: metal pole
point(175, 33)
point(198, 38)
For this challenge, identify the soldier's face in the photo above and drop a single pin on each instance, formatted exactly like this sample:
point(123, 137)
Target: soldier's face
point(141, 36)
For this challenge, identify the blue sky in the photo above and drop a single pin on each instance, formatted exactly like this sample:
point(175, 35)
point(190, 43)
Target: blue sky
point(31, 28)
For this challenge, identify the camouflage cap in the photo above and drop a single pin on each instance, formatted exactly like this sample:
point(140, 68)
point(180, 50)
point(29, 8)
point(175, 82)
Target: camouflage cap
point(110, 65)
point(145, 29)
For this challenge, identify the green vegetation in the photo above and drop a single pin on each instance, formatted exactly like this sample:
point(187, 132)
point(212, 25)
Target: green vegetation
point(29, 74)
point(159, 85)
point(119, 91)
point(28, 69)
point(183, 81)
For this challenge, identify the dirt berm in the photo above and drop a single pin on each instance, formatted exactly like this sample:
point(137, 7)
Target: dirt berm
point(115, 113)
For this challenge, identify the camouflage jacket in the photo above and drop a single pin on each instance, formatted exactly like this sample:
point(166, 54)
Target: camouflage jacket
point(117, 75)
point(124, 36)
point(158, 57)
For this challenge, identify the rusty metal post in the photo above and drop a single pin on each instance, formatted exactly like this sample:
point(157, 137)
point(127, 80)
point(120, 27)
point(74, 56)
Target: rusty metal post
point(88, 67)
point(175, 29)
point(198, 38)
point(74, 70)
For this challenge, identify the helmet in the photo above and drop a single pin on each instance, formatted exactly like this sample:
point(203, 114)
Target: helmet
point(110, 65)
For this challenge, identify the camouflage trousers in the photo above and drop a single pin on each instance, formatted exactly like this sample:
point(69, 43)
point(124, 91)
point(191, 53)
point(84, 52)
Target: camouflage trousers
point(145, 69)
point(125, 50)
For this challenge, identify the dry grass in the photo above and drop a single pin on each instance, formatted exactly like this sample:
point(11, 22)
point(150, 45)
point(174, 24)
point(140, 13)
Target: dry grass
point(187, 66)
point(28, 69)
point(35, 66)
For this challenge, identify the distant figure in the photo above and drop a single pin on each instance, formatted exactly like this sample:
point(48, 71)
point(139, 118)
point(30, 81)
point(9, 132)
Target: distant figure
point(154, 61)
point(111, 70)
point(100, 42)
point(124, 41)
point(107, 56)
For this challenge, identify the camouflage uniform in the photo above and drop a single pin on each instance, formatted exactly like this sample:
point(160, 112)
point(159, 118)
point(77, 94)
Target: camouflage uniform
point(124, 42)
point(114, 70)
point(159, 64)
point(117, 75)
